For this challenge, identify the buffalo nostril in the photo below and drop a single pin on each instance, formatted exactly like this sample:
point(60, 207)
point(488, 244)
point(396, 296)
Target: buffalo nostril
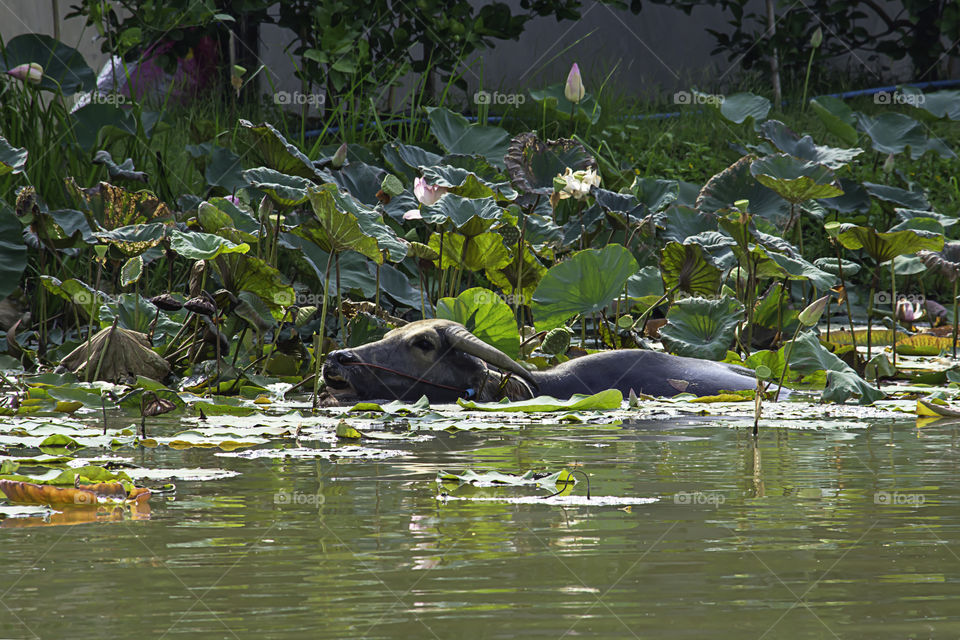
point(343, 356)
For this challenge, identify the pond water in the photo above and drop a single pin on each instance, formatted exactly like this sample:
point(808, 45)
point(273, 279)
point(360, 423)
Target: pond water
point(821, 533)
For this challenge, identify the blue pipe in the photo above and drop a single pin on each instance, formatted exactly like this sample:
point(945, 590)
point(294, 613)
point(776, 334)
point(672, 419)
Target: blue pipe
point(935, 84)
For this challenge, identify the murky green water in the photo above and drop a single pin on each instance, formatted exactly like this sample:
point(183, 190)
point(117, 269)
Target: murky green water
point(811, 534)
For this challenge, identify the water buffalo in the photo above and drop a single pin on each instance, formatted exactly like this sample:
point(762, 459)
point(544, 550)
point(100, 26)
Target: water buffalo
point(444, 361)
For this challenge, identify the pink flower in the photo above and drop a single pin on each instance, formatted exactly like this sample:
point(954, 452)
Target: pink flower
point(234, 199)
point(426, 193)
point(32, 73)
point(413, 214)
point(574, 90)
point(908, 312)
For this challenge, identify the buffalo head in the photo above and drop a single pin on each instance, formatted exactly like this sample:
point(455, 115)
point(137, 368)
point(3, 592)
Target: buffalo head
point(436, 358)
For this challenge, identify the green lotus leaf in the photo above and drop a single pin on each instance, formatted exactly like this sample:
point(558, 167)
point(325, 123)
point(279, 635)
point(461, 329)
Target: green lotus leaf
point(406, 159)
point(701, 328)
point(883, 246)
point(484, 251)
point(131, 271)
point(855, 198)
point(286, 191)
point(334, 230)
point(12, 159)
point(519, 279)
point(468, 184)
point(804, 148)
point(907, 214)
point(13, 251)
point(272, 150)
point(586, 283)
point(741, 106)
point(839, 118)
point(737, 183)
point(895, 132)
point(681, 222)
point(795, 180)
point(361, 180)
point(687, 268)
point(112, 206)
point(655, 194)
point(194, 245)
point(832, 265)
point(900, 197)
point(457, 135)
point(807, 355)
point(486, 316)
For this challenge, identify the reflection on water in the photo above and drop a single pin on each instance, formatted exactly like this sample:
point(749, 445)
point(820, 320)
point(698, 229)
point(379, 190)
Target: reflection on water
point(813, 534)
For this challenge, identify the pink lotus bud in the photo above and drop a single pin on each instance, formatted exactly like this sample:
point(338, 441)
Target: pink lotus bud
point(413, 214)
point(907, 312)
point(574, 90)
point(32, 73)
point(426, 193)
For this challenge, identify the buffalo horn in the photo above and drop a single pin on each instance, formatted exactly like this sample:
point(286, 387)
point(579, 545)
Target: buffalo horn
point(465, 341)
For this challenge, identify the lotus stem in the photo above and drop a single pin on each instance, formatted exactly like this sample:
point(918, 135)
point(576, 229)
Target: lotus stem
point(893, 305)
point(955, 282)
point(786, 361)
point(318, 344)
point(843, 283)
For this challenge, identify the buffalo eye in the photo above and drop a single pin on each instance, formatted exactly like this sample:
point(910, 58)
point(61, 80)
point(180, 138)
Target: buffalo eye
point(423, 344)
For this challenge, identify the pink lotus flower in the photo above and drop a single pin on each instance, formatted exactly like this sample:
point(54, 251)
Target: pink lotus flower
point(908, 312)
point(413, 214)
point(426, 193)
point(32, 73)
point(574, 90)
point(234, 199)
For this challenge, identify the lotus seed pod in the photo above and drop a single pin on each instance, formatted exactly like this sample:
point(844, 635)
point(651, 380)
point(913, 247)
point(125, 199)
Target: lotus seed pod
point(510, 234)
point(556, 341)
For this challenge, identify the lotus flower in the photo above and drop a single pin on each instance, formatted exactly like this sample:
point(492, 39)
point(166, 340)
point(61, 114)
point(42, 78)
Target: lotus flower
point(576, 184)
point(908, 312)
point(412, 214)
point(32, 73)
point(574, 90)
point(340, 157)
point(427, 193)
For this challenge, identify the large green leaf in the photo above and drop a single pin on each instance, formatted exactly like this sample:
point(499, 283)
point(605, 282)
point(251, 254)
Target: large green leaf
point(687, 268)
point(701, 328)
point(486, 316)
point(584, 284)
point(900, 197)
point(457, 135)
point(805, 148)
point(484, 251)
point(407, 159)
point(883, 246)
point(194, 245)
point(895, 132)
point(64, 68)
point(807, 355)
point(13, 252)
point(269, 146)
point(795, 180)
point(335, 230)
point(89, 120)
point(799, 269)
point(839, 118)
point(737, 183)
point(287, 191)
point(471, 216)
point(741, 106)
point(467, 183)
point(682, 222)
point(242, 272)
point(12, 159)
point(360, 180)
